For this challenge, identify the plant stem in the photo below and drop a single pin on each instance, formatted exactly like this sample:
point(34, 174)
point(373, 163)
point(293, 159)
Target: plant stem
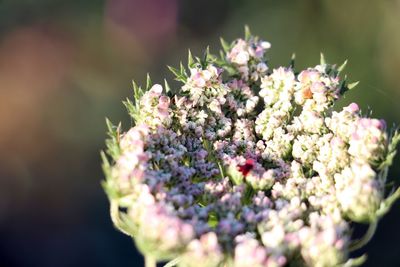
point(388, 202)
point(366, 238)
point(114, 212)
point(385, 207)
point(149, 261)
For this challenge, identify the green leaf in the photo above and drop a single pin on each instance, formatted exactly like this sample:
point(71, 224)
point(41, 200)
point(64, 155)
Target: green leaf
point(136, 90)
point(191, 61)
point(129, 105)
point(112, 143)
point(341, 67)
point(342, 86)
point(231, 70)
point(179, 76)
point(149, 83)
point(105, 164)
point(391, 150)
point(225, 46)
point(352, 85)
point(174, 71)
point(221, 170)
point(221, 56)
point(166, 85)
point(182, 70)
point(110, 126)
point(204, 61)
point(248, 195)
point(132, 108)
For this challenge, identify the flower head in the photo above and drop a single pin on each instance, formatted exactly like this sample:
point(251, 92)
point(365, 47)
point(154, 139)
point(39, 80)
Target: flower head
point(247, 166)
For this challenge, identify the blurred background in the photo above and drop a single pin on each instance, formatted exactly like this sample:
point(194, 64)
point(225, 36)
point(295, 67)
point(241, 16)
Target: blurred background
point(65, 65)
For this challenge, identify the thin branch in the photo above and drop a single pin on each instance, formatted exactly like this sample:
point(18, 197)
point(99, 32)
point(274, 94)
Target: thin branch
point(114, 212)
point(366, 238)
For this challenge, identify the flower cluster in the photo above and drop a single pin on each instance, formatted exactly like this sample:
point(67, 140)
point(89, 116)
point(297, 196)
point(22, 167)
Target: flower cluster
point(248, 57)
point(248, 165)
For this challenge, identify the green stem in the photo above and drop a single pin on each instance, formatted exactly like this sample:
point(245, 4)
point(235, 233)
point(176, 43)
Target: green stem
point(354, 261)
point(366, 238)
point(114, 212)
point(149, 261)
point(385, 207)
point(388, 203)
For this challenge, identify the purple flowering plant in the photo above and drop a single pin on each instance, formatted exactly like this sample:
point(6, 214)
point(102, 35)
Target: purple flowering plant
point(248, 165)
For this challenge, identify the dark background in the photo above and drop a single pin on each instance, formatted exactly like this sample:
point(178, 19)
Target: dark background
point(65, 65)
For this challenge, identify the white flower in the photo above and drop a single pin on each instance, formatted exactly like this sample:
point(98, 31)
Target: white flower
point(204, 251)
point(358, 192)
point(368, 140)
point(215, 178)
